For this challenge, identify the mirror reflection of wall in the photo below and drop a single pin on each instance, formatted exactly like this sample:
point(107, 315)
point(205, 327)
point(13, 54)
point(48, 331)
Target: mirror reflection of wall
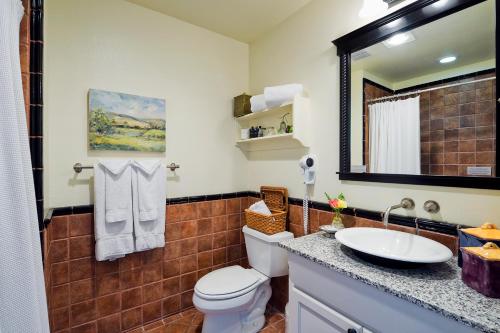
point(433, 116)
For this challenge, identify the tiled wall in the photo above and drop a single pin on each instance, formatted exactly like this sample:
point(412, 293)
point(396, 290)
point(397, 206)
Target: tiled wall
point(458, 127)
point(90, 296)
point(121, 296)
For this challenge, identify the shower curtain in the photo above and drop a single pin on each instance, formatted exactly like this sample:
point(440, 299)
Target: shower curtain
point(395, 137)
point(23, 306)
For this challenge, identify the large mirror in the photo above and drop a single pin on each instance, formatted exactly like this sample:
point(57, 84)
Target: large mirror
point(421, 100)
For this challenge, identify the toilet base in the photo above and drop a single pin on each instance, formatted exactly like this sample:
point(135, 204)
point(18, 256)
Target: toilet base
point(246, 321)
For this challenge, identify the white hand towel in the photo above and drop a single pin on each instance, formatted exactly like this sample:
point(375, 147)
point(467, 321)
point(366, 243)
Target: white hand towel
point(149, 196)
point(277, 95)
point(118, 182)
point(147, 189)
point(113, 240)
point(258, 103)
point(260, 207)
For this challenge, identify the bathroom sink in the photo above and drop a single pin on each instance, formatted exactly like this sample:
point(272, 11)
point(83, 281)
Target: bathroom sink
point(394, 245)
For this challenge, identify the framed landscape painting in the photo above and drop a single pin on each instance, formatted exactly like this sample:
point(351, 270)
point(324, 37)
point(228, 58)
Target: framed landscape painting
point(126, 122)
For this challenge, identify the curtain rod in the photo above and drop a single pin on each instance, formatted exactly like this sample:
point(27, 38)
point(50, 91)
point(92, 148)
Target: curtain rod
point(429, 89)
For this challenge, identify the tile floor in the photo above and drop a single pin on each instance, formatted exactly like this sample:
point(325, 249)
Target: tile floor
point(191, 321)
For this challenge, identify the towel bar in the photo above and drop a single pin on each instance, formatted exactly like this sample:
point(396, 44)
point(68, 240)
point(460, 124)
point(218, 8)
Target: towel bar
point(78, 167)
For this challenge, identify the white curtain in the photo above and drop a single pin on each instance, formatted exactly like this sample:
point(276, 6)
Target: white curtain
point(23, 306)
point(395, 136)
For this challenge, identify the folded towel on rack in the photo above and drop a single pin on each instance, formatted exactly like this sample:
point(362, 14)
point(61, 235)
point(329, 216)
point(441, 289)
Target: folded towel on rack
point(147, 190)
point(118, 183)
point(277, 95)
point(260, 207)
point(149, 195)
point(113, 219)
point(258, 103)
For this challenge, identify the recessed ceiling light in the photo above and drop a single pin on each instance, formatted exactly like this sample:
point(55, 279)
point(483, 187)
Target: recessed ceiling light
point(399, 39)
point(446, 60)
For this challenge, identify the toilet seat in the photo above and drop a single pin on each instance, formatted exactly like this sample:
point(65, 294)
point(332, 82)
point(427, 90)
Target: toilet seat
point(229, 282)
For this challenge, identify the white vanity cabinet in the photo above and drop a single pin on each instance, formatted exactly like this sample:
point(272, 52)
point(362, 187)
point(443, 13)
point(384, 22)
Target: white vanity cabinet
point(324, 300)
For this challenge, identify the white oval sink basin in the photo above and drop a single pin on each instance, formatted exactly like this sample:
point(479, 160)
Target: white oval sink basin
point(395, 245)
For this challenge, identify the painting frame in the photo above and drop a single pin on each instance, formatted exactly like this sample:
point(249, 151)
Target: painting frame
point(125, 122)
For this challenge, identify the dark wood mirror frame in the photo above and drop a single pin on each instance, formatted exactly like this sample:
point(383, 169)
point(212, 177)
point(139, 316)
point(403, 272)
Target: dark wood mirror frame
point(414, 15)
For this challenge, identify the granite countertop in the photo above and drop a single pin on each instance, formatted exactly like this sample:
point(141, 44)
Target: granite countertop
point(436, 287)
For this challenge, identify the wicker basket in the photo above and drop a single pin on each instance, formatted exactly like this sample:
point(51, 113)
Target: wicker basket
point(276, 198)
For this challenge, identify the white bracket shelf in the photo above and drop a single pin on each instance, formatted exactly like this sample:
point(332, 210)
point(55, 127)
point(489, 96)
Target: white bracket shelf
point(299, 111)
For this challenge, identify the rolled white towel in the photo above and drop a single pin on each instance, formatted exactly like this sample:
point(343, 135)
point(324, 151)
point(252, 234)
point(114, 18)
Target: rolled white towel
point(277, 95)
point(258, 103)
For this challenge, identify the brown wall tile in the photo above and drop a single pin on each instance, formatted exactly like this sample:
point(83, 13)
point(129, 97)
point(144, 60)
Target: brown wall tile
point(59, 227)
point(189, 229)
point(83, 312)
point(60, 296)
point(80, 247)
point(151, 312)
point(81, 269)
point(152, 292)
point(171, 305)
point(110, 324)
point(81, 224)
point(82, 290)
point(189, 264)
point(142, 287)
point(131, 318)
point(131, 298)
point(108, 304)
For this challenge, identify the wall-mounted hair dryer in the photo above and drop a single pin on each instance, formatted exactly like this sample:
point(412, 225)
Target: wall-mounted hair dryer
point(308, 165)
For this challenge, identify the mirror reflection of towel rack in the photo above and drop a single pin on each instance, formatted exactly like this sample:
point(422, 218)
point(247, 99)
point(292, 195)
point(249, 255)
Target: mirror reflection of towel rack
point(78, 167)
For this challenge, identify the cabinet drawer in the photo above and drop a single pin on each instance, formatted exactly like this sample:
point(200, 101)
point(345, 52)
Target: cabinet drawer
point(314, 316)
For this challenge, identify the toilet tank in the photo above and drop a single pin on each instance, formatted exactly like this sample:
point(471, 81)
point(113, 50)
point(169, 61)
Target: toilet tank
point(264, 253)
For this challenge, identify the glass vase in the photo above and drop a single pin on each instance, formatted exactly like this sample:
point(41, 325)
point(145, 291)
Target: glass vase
point(337, 221)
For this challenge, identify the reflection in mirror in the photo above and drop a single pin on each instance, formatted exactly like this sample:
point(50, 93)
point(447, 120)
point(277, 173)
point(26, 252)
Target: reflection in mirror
point(423, 101)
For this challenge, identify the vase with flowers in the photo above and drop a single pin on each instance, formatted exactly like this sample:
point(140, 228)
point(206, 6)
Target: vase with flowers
point(337, 204)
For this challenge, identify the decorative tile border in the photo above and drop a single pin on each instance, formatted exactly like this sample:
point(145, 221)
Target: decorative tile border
point(36, 102)
point(406, 221)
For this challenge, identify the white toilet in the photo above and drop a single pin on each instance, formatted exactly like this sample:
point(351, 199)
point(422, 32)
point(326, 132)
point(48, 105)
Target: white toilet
point(233, 298)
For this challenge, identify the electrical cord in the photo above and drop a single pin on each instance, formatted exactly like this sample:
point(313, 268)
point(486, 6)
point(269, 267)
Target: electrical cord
point(305, 208)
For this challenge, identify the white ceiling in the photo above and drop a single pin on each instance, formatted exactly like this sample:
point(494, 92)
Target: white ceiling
point(243, 20)
point(468, 34)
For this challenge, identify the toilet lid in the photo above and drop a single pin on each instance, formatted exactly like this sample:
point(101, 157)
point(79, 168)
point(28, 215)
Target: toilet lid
point(225, 281)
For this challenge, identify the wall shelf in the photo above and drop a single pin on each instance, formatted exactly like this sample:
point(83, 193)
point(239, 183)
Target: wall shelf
point(299, 118)
point(265, 113)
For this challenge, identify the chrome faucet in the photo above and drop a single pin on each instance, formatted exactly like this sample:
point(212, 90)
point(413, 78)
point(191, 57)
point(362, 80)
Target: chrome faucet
point(406, 203)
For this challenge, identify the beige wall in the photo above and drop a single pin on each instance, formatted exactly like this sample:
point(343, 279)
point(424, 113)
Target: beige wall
point(118, 46)
point(299, 50)
point(115, 45)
